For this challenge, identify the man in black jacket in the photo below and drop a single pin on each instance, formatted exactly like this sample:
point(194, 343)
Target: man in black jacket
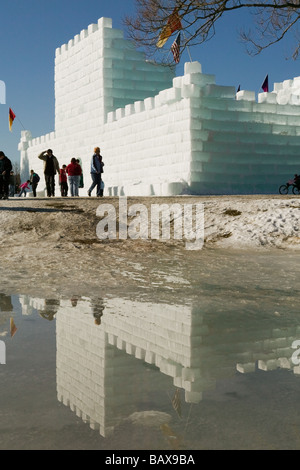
point(51, 167)
point(5, 169)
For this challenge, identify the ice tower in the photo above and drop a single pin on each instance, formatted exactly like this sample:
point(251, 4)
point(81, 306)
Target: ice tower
point(160, 134)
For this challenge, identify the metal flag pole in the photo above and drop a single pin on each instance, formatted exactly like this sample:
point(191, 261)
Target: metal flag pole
point(20, 123)
point(187, 47)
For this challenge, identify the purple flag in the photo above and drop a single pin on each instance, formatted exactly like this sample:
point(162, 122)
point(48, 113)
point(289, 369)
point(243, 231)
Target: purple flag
point(265, 85)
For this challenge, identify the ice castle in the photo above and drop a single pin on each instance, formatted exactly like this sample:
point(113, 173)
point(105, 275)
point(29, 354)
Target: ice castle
point(160, 134)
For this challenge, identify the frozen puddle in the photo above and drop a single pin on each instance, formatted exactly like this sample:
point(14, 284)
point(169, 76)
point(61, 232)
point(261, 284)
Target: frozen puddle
point(212, 371)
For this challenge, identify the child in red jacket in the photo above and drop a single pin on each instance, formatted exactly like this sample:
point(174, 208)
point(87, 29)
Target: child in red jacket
point(63, 181)
point(23, 187)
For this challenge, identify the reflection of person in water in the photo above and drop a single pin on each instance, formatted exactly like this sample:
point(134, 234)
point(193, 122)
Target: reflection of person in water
point(74, 300)
point(97, 308)
point(51, 307)
point(5, 307)
point(5, 303)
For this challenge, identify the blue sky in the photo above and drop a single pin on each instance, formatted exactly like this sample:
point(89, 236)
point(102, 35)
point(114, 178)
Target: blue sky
point(31, 30)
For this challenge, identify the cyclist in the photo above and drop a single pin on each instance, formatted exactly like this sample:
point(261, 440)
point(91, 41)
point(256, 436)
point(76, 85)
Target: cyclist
point(297, 181)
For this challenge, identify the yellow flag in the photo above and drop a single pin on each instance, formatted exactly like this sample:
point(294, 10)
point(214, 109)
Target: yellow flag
point(164, 36)
point(13, 327)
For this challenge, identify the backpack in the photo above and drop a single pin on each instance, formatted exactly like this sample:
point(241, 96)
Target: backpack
point(35, 178)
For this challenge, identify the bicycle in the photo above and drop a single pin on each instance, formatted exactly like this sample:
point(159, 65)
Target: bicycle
point(284, 188)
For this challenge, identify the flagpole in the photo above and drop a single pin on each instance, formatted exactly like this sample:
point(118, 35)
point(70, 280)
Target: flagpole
point(187, 47)
point(168, 56)
point(20, 123)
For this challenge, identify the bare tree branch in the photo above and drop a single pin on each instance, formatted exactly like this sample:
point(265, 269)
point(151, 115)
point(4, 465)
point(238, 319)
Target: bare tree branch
point(273, 20)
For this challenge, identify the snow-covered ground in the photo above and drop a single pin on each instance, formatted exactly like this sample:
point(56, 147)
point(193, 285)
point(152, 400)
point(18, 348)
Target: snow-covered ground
point(251, 222)
point(52, 243)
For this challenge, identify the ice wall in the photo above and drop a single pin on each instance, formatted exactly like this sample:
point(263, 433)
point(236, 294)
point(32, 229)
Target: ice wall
point(97, 72)
point(240, 145)
point(288, 91)
point(160, 134)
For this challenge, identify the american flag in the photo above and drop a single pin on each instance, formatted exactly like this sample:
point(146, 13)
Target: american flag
point(175, 48)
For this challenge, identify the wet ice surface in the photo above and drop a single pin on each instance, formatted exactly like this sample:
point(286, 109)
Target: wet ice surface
point(101, 372)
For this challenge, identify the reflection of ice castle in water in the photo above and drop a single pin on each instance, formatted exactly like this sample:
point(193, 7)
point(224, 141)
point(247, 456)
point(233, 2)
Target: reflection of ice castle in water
point(163, 135)
point(100, 367)
point(103, 346)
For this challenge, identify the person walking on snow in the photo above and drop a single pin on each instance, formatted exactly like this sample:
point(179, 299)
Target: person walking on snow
point(5, 169)
point(12, 184)
point(34, 181)
point(74, 171)
point(51, 167)
point(96, 172)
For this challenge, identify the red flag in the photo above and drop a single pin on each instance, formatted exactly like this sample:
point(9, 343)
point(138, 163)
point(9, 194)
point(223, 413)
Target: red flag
point(174, 23)
point(175, 48)
point(11, 118)
point(265, 85)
